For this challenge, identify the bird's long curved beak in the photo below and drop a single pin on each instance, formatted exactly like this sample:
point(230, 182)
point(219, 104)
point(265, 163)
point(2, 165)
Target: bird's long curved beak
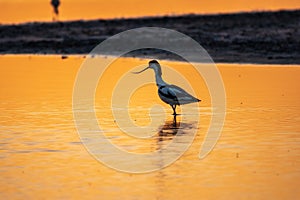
point(141, 70)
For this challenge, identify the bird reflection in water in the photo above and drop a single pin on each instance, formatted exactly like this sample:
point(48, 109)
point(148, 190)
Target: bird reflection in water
point(172, 128)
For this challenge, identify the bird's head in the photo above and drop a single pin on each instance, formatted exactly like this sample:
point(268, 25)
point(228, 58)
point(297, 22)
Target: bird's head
point(153, 64)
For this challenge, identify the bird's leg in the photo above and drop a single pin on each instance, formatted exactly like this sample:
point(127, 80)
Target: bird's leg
point(174, 110)
point(174, 121)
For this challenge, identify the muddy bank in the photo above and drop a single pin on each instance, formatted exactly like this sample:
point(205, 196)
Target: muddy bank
point(261, 37)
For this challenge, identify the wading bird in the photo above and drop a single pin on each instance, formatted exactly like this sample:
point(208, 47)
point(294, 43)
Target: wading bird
point(170, 94)
point(55, 4)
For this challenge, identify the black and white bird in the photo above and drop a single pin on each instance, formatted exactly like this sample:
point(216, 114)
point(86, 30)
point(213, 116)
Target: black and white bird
point(170, 94)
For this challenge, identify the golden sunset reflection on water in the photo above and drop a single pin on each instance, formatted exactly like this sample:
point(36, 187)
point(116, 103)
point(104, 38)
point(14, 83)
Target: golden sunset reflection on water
point(257, 156)
point(18, 11)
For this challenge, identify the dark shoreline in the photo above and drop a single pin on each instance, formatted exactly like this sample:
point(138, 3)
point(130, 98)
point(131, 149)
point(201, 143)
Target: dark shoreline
point(258, 37)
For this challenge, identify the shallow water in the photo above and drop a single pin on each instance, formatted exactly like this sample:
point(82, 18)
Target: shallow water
point(38, 10)
point(257, 155)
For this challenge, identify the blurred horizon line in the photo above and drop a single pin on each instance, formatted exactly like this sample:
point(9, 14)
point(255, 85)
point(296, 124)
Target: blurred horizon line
point(16, 12)
point(154, 16)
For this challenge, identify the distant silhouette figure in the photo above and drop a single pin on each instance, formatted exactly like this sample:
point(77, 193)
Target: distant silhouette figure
point(55, 4)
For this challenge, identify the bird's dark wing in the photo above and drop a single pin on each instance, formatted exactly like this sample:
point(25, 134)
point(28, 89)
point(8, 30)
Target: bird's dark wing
point(182, 96)
point(177, 91)
point(167, 93)
point(175, 95)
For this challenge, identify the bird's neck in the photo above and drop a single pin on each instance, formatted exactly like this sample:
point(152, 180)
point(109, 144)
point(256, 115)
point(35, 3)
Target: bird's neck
point(159, 80)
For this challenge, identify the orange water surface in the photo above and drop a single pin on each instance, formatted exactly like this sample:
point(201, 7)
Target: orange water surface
point(42, 157)
point(18, 11)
